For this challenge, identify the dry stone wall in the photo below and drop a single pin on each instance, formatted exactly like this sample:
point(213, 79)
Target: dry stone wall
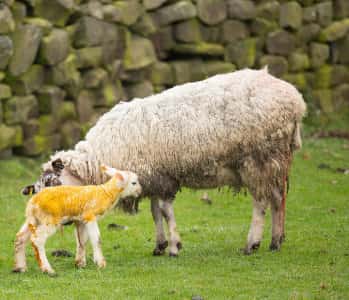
point(65, 62)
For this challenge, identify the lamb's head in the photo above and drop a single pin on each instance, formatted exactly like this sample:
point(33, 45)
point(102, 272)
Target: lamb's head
point(126, 180)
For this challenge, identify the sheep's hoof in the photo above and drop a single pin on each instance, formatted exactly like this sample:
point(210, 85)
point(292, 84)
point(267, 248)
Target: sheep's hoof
point(19, 270)
point(160, 248)
point(250, 249)
point(179, 246)
point(275, 244)
point(282, 238)
point(50, 273)
point(173, 254)
point(80, 264)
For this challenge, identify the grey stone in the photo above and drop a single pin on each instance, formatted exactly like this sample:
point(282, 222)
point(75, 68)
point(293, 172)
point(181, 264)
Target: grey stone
point(5, 92)
point(335, 31)
point(30, 128)
point(89, 57)
point(261, 27)
point(161, 74)
point(45, 25)
point(50, 99)
point(26, 41)
point(319, 53)
point(152, 4)
point(140, 90)
point(211, 34)
point(94, 78)
point(188, 31)
point(277, 65)
point(19, 109)
point(145, 26)
point(291, 15)
point(309, 14)
point(324, 13)
point(341, 51)
point(67, 111)
point(110, 94)
point(298, 61)
point(341, 8)
point(175, 12)
point(280, 42)
point(269, 10)
point(163, 41)
point(242, 53)
point(211, 12)
point(308, 33)
point(234, 30)
point(139, 53)
point(55, 47)
point(181, 71)
point(7, 136)
point(28, 82)
point(84, 106)
point(93, 8)
point(339, 75)
point(6, 51)
point(241, 9)
point(218, 67)
point(204, 49)
point(341, 96)
point(124, 12)
point(56, 11)
point(71, 133)
point(7, 23)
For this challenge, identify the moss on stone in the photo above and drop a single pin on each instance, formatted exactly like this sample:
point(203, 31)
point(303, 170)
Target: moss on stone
point(323, 78)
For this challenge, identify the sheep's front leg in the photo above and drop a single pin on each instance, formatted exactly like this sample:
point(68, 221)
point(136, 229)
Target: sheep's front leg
point(161, 242)
point(22, 238)
point(255, 233)
point(39, 236)
point(168, 212)
point(81, 236)
point(94, 236)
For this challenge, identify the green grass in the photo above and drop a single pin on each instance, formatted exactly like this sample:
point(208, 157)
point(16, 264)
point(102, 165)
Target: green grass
point(313, 263)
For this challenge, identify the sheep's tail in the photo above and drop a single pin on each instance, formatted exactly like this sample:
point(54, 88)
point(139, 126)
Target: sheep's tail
point(296, 142)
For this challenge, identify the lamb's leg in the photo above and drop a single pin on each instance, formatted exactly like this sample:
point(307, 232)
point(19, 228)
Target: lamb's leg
point(22, 238)
point(257, 225)
point(161, 242)
point(81, 236)
point(277, 227)
point(175, 240)
point(94, 236)
point(38, 237)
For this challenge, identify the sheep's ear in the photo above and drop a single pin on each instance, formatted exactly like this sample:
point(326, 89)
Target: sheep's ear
point(28, 190)
point(57, 165)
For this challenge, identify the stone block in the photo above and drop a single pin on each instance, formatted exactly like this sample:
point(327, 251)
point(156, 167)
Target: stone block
point(123, 12)
point(71, 133)
point(218, 67)
point(139, 53)
point(139, 90)
point(163, 41)
point(19, 11)
point(161, 74)
point(280, 42)
point(269, 10)
point(277, 65)
point(335, 31)
point(19, 109)
point(84, 105)
point(89, 57)
point(153, 4)
point(7, 23)
point(7, 136)
point(204, 49)
point(234, 30)
point(241, 9)
point(67, 111)
point(28, 82)
point(298, 61)
point(26, 41)
point(94, 78)
point(308, 33)
point(178, 11)
point(261, 27)
point(50, 99)
point(319, 53)
point(56, 11)
point(5, 92)
point(291, 15)
point(188, 31)
point(55, 47)
point(242, 53)
point(6, 51)
point(145, 26)
point(324, 13)
point(211, 12)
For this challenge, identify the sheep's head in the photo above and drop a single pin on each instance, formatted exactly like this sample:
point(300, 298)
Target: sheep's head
point(49, 177)
point(126, 180)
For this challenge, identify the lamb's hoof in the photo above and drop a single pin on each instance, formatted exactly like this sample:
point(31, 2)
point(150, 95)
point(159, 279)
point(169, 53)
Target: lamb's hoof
point(102, 264)
point(173, 254)
point(80, 264)
point(50, 273)
point(282, 238)
point(19, 269)
point(160, 248)
point(250, 249)
point(275, 244)
point(179, 246)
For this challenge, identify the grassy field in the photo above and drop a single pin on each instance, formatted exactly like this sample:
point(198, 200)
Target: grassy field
point(313, 263)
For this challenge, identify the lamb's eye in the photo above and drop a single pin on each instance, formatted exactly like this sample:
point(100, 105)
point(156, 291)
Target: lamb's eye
point(133, 183)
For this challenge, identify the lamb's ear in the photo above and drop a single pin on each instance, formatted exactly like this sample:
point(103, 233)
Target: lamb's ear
point(108, 170)
point(28, 190)
point(122, 179)
point(57, 165)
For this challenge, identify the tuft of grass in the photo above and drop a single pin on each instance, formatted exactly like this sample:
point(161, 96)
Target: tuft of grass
point(313, 263)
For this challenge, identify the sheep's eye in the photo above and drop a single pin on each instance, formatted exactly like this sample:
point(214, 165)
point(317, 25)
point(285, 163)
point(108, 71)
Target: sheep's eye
point(133, 183)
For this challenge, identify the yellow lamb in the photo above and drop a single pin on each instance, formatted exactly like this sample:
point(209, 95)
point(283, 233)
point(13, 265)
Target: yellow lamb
point(55, 206)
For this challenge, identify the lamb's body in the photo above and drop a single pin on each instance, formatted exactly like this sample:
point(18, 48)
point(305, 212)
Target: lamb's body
point(238, 129)
point(83, 205)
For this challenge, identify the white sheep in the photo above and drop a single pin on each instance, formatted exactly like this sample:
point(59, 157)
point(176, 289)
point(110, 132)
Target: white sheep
point(238, 129)
point(55, 206)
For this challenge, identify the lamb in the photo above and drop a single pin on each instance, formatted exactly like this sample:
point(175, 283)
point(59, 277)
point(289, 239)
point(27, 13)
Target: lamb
point(55, 206)
point(238, 130)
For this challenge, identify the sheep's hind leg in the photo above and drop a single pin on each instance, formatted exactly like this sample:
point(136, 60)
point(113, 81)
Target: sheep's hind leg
point(22, 238)
point(81, 240)
point(39, 236)
point(94, 236)
point(161, 242)
point(175, 240)
point(257, 225)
